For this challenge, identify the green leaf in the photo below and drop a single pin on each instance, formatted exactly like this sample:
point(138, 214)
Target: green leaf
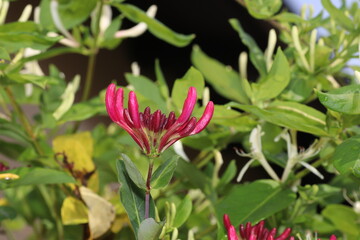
point(347, 156)
point(149, 229)
point(155, 27)
point(343, 217)
point(183, 211)
point(255, 201)
point(7, 213)
point(263, 9)
point(338, 15)
point(34, 176)
point(10, 150)
point(275, 81)
point(13, 131)
point(160, 80)
point(164, 173)
point(133, 198)
point(41, 81)
point(291, 115)
point(4, 55)
point(109, 41)
point(192, 78)
point(133, 172)
point(147, 88)
point(17, 35)
point(345, 99)
point(72, 13)
point(226, 116)
point(228, 175)
point(223, 79)
point(256, 55)
point(83, 110)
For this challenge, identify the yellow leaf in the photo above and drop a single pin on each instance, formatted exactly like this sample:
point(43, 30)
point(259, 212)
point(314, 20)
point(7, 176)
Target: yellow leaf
point(78, 148)
point(73, 211)
point(101, 212)
point(8, 176)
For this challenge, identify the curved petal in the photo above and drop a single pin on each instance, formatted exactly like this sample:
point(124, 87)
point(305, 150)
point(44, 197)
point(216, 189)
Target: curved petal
point(205, 118)
point(134, 109)
point(226, 221)
point(231, 233)
point(110, 102)
point(119, 104)
point(188, 106)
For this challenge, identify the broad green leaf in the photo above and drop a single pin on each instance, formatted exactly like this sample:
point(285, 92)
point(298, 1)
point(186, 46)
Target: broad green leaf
point(338, 15)
point(149, 229)
point(17, 78)
point(17, 35)
point(7, 212)
point(192, 78)
point(83, 110)
point(4, 55)
point(148, 89)
point(223, 79)
point(67, 97)
point(13, 131)
point(34, 176)
point(164, 173)
point(73, 211)
point(109, 41)
point(263, 9)
point(133, 198)
point(10, 150)
point(101, 213)
point(254, 201)
point(71, 13)
point(160, 80)
point(256, 55)
point(78, 148)
point(226, 116)
point(291, 115)
point(133, 172)
point(345, 99)
point(275, 81)
point(155, 27)
point(183, 211)
point(344, 218)
point(347, 156)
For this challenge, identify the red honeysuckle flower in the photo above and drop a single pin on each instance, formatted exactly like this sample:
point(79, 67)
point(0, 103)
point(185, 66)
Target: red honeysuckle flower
point(155, 132)
point(256, 232)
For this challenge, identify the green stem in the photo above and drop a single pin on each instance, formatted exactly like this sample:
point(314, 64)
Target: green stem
point(24, 121)
point(148, 188)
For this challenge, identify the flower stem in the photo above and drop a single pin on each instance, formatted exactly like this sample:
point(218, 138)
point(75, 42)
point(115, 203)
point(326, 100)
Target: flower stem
point(24, 121)
point(148, 188)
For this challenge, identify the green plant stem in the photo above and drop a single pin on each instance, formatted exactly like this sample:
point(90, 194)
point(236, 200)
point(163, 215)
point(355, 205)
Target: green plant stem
point(24, 121)
point(148, 188)
point(54, 215)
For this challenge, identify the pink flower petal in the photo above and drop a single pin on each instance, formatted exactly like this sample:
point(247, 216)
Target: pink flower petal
point(231, 233)
point(188, 106)
point(109, 101)
point(134, 109)
point(205, 118)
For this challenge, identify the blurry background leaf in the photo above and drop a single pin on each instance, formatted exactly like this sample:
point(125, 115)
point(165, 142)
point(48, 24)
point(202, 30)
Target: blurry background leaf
point(263, 9)
point(347, 156)
point(155, 27)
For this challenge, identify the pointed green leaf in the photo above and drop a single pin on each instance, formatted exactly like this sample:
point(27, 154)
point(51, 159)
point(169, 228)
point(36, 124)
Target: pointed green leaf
point(263, 9)
point(164, 173)
point(254, 201)
point(347, 156)
point(345, 99)
point(256, 55)
point(149, 229)
point(275, 81)
point(133, 198)
point(223, 79)
point(160, 80)
point(133, 172)
point(155, 27)
point(183, 211)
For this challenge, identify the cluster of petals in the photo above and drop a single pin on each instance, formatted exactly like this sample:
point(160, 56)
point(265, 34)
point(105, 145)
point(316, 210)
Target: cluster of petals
point(257, 232)
point(155, 132)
